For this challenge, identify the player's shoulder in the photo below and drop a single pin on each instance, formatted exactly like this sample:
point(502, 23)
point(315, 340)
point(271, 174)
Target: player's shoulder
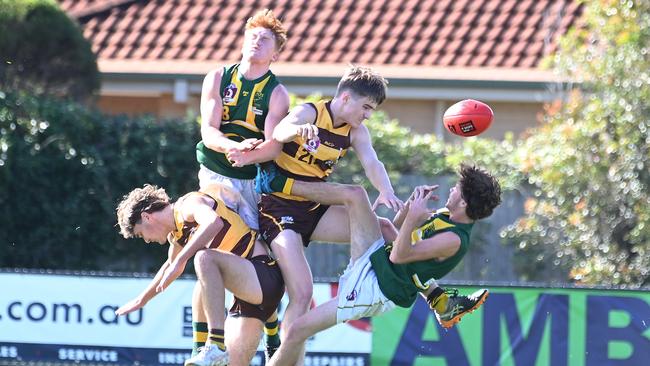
point(213, 77)
point(280, 92)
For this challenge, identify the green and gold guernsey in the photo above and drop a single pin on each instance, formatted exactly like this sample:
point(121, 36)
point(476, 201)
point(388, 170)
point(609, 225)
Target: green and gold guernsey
point(401, 282)
point(245, 106)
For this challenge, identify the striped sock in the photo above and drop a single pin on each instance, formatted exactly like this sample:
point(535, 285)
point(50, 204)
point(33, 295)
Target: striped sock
point(271, 334)
point(199, 336)
point(437, 300)
point(215, 337)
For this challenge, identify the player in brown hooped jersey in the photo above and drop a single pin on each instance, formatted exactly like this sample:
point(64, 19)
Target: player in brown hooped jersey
point(315, 137)
point(227, 255)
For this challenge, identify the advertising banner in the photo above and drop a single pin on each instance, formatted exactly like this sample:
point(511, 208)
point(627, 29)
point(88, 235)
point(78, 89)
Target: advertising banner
point(522, 326)
point(57, 318)
point(71, 319)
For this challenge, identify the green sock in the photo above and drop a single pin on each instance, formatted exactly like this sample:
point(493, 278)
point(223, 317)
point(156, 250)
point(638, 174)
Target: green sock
point(271, 334)
point(216, 337)
point(199, 336)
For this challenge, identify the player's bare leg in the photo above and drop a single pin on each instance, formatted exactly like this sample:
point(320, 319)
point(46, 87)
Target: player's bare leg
point(242, 338)
point(317, 319)
point(363, 224)
point(288, 248)
point(216, 271)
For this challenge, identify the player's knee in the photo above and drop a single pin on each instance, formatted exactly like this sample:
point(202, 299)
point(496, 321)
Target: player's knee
point(301, 296)
point(388, 230)
point(201, 261)
point(354, 193)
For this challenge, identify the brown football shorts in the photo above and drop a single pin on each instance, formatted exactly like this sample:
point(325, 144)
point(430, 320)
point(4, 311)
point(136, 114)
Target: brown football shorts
point(272, 284)
point(278, 214)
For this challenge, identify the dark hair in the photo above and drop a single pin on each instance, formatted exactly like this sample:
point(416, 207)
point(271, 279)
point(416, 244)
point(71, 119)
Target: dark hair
point(365, 82)
point(480, 190)
point(146, 199)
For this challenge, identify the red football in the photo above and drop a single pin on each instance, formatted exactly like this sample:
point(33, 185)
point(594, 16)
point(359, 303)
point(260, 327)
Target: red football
point(468, 117)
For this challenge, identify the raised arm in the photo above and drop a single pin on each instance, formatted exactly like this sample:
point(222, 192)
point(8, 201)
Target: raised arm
point(398, 220)
point(375, 170)
point(439, 246)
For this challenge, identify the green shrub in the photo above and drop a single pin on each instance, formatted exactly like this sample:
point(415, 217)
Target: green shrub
point(44, 51)
point(63, 168)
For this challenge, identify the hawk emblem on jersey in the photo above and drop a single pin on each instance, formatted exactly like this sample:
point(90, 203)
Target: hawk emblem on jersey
point(229, 93)
point(312, 144)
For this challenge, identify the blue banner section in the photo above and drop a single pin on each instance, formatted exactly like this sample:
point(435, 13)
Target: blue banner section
point(523, 326)
point(124, 356)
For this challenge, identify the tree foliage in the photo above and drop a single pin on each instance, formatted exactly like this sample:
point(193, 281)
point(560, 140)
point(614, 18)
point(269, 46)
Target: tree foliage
point(44, 51)
point(63, 169)
point(589, 216)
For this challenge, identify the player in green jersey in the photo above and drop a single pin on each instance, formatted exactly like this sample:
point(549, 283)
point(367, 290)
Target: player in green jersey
point(383, 275)
point(240, 106)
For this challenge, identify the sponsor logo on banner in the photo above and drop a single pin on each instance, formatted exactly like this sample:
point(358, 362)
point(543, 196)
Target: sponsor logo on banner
point(522, 326)
point(72, 319)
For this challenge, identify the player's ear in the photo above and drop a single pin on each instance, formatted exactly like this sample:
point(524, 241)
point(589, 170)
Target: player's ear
point(275, 57)
point(145, 216)
point(345, 96)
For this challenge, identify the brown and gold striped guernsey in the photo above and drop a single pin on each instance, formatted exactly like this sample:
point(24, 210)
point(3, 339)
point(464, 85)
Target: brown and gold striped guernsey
point(235, 236)
point(297, 162)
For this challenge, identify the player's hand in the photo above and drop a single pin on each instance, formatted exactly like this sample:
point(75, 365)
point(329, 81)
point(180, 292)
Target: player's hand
point(423, 189)
point(171, 273)
point(307, 131)
point(389, 200)
point(418, 210)
point(130, 306)
point(247, 145)
point(238, 158)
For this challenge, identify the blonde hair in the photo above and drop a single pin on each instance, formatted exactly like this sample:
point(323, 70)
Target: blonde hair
point(365, 82)
point(146, 199)
point(266, 19)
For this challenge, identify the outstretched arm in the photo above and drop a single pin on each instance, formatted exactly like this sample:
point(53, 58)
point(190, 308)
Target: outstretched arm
point(375, 170)
point(150, 291)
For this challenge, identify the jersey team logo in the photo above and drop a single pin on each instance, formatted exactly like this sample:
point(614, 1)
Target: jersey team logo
point(229, 94)
point(312, 144)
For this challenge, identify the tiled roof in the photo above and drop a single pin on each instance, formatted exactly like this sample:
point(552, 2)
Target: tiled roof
point(478, 34)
